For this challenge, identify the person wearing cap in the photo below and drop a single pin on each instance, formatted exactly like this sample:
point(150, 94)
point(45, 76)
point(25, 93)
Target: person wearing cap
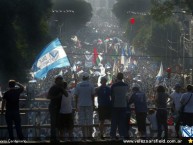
point(84, 96)
point(104, 104)
point(55, 95)
point(119, 92)
point(176, 95)
point(12, 114)
point(140, 101)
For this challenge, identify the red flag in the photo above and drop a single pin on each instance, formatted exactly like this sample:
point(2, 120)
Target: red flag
point(95, 56)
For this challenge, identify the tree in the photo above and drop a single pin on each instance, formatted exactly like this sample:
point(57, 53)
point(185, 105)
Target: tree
point(23, 33)
point(163, 10)
point(71, 15)
point(123, 8)
point(147, 35)
point(164, 43)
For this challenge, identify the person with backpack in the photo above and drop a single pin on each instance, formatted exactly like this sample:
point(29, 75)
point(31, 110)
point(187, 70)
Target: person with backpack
point(187, 101)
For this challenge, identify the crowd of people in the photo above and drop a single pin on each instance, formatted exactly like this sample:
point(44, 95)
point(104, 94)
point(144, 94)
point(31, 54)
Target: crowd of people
point(123, 91)
point(114, 104)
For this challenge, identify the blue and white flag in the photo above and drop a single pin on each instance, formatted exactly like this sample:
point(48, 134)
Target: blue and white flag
point(187, 131)
point(52, 56)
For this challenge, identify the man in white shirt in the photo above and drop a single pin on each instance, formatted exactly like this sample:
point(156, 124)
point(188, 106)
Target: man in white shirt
point(66, 121)
point(84, 94)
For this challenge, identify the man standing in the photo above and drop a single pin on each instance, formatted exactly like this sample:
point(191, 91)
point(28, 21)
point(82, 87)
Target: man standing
point(11, 100)
point(176, 96)
point(55, 95)
point(139, 100)
point(119, 92)
point(84, 95)
point(187, 101)
point(104, 104)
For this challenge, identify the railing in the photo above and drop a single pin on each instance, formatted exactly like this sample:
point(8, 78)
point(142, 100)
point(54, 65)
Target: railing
point(37, 125)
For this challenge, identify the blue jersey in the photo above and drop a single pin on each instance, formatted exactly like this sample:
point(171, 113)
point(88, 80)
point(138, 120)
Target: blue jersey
point(104, 96)
point(139, 100)
point(119, 94)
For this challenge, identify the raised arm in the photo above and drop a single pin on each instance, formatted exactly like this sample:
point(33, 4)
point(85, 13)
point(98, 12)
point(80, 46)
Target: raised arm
point(20, 85)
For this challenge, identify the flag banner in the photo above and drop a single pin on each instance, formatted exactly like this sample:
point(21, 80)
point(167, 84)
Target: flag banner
point(123, 57)
point(161, 71)
point(109, 79)
point(52, 56)
point(88, 60)
point(159, 77)
point(97, 58)
point(187, 131)
point(115, 68)
point(88, 55)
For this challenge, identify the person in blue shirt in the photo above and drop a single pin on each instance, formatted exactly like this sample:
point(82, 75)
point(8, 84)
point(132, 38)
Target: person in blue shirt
point(119, 94)
point(139, 100)
point(104, 104)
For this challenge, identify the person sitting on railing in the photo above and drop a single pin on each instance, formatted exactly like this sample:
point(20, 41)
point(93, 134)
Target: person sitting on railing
point(12, 114)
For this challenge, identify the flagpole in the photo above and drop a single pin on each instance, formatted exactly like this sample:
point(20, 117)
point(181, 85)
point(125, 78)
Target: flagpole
point(75, 78)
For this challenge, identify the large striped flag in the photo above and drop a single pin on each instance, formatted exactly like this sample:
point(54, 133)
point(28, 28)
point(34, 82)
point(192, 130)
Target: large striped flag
point(52, 56)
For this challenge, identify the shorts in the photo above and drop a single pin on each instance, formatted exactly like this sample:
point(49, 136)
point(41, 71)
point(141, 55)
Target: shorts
point(66, 121)
point(104, 113)
point(85, 115)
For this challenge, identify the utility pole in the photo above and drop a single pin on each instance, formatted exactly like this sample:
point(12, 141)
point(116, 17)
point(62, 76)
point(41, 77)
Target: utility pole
point(191, 24)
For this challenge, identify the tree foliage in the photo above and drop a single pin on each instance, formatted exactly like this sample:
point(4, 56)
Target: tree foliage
point(148, 35)
point(163, 10)
point(123, 8)
point(23, 32)
point(71, 15)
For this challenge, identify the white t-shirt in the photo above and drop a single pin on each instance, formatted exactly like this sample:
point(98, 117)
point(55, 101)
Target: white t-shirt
point(66, 104)
point(84, 91)
point(176, 100)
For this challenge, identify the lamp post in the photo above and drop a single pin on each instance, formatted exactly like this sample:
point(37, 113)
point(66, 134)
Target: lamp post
point(182, 44)
point(62, 16)
point(60, 30)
